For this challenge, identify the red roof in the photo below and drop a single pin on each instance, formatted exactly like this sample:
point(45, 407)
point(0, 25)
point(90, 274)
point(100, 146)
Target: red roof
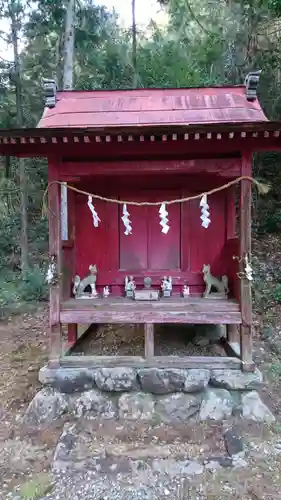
point(151, 107)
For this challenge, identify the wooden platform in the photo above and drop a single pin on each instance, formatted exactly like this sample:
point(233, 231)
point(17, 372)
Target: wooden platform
point(168, 310)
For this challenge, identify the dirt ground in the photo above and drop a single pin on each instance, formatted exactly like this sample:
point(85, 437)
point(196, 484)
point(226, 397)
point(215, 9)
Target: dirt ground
point(23, 456)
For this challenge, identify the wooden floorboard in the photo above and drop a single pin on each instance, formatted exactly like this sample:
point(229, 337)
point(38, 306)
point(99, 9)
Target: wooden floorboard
point(154, 362)
point(172, 310)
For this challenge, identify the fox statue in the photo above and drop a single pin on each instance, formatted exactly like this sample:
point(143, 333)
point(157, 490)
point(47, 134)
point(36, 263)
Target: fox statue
point(210, 280)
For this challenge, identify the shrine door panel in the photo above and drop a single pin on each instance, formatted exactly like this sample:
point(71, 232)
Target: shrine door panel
point(147, 248)
point(96, 245)
point(206, 245)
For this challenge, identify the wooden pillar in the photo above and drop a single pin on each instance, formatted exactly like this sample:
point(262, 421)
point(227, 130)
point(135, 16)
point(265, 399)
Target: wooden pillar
point(72, 333)
point(149, 340)
point(245, 249)
point(55, 251)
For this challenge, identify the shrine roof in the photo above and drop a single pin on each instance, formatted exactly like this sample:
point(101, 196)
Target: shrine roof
point(152, 107)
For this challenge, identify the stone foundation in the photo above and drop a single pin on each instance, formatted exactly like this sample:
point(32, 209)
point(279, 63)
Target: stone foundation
point(152, 394)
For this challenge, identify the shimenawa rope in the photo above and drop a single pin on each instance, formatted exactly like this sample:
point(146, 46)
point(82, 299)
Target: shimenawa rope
point(262, 189)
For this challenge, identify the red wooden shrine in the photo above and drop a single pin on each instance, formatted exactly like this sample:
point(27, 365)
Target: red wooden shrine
point(150, 145)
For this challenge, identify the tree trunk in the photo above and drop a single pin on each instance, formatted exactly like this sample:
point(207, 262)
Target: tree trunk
point(69, 46)
point(21, 163)
point(134, 46)
point(68, 70)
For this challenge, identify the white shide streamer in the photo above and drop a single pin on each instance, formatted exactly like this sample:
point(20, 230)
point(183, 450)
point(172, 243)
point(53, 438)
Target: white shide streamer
point(164, 219)
point(126, 220)
point(96, 218)
point(205, 213)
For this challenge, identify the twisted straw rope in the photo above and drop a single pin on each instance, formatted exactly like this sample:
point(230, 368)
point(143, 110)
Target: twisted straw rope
point(262, 188)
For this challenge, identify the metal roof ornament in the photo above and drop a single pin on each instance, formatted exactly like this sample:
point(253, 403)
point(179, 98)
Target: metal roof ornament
point(252, 81)
point(50, 92)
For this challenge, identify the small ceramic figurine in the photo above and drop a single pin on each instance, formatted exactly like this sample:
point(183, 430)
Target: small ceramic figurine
point(166, 286)
point(211, 281)
point(130, 286)
point(186, 291)
point(106, 292)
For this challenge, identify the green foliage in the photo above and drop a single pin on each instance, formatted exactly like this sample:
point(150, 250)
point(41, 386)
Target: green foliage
point(204, 43)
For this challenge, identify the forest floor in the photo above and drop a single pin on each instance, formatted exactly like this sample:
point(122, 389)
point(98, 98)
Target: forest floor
point(26, 458)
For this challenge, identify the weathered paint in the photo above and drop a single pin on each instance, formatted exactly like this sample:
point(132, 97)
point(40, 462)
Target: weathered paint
point(151, 107)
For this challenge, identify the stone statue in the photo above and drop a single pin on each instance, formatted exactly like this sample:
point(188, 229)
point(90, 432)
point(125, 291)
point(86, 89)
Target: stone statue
point(186, 291)
point(77, 281)
point(130, 286)
point(166, 286)
point(80, 286)
point(220, 285)
point(106, 292)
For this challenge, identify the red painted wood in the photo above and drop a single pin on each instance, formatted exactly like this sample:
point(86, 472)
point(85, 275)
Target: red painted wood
point(54, 250)
point(100, 245)
point(123, 150)
point(206, 244)
point(72, 333)
point(134, 248)
point(152, 106)
point(227, 167)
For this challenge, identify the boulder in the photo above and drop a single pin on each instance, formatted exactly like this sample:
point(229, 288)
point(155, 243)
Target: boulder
point(157, 381)
point(234, 443)
point(216, 405)
point(68, 380)
point(116, 379)
point(208, 334)
point(196, 380)
point(48, 405)
point(254, 409)
point(136, 406)
point(93, 404)
point(177, 407)
point(236, 379)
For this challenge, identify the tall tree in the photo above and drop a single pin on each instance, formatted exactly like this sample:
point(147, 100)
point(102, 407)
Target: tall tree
point(134, 46)
point(69, 46)
point(13, 11)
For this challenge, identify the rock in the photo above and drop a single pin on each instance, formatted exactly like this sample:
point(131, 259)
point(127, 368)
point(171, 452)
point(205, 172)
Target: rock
point(136, 406)
point(216, 405)
point(234, 443)
point(194, 469)
point(177, 407)
point(236, 379)
point(196, 380)
point(68, 380)
point(239, 463)
point(254, 409)
point(65, 446)
point(48, 405)
point(208, 334)
point(116, 379)
point(158, 381)
point(94, 404)
point(213, 466)
point(222, 460)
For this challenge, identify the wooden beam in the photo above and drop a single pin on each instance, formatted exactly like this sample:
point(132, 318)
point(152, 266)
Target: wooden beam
point(233, 334)
point(227, 167)
point(167, 315)
point(155, 362)
point(149, 340)
point(55, 250)
point(72, 333)
point(91, 330)
point(245, 249)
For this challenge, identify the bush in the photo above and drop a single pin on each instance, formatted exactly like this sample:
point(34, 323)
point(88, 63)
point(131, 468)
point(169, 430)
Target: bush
point(33, 287)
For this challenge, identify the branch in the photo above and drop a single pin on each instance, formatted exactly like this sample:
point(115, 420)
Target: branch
point(189, 8)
